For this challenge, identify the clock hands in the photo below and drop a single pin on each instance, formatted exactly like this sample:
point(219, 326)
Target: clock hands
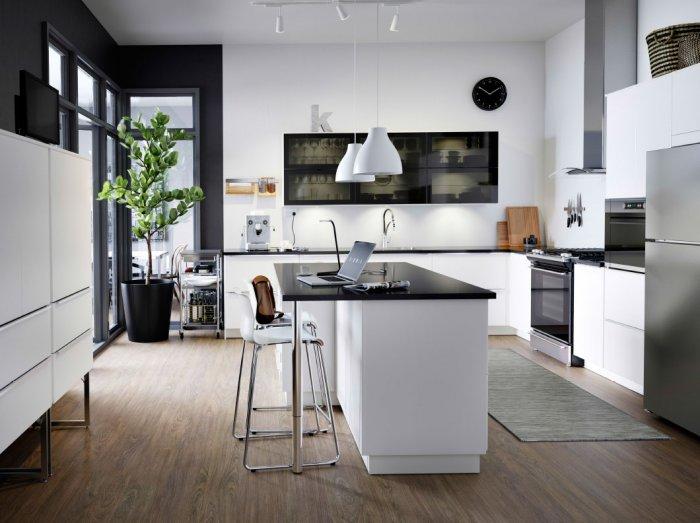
point(490, 92)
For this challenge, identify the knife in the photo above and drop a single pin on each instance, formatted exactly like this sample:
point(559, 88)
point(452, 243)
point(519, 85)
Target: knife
point(580, 210)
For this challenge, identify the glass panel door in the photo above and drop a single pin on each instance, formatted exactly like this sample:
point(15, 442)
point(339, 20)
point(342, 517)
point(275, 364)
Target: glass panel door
point(409, 187)
point(551, 296)
point(112, 249)
point(315, 152)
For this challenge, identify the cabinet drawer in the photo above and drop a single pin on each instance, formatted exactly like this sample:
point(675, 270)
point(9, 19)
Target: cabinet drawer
point(23, 401)
point(23, 344)
point(487, 270)
point(72, 316)
point(70, 364)
point(623, 355)
point(624, 297)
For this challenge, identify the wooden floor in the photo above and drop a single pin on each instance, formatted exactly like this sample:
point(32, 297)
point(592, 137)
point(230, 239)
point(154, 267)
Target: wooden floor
point(160, 449)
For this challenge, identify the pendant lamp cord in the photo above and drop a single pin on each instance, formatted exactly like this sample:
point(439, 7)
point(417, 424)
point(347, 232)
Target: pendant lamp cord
point(354, 73)
point(377, 44)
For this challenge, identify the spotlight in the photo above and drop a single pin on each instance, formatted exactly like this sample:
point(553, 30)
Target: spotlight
point(279, 22)
point(394, 27)
point(342, 13)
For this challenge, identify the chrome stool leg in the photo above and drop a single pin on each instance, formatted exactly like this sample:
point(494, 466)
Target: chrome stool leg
point(325, 391)
point(329, 406)
point(266, 433)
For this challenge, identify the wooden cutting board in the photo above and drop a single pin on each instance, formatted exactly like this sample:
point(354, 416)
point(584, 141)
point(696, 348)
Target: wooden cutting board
point(522, 222)
point(502, 239)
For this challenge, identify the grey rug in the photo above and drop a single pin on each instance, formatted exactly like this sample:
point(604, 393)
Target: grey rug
point(535, 404)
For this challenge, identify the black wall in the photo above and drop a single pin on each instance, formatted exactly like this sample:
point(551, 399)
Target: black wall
point(186, 66)
point(21, 43)
point(21, 47)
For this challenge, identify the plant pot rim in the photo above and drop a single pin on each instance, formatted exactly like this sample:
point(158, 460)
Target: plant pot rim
point(154, 281)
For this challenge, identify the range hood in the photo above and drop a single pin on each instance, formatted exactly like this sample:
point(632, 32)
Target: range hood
point(610, 64)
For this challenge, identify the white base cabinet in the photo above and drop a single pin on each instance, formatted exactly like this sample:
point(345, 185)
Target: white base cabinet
point(589, 295)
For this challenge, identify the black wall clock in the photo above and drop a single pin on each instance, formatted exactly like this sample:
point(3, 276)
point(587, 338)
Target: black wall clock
point(489, 93)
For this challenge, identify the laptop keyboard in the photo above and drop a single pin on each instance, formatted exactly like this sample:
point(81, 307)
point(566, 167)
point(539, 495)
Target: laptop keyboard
point(332, 279)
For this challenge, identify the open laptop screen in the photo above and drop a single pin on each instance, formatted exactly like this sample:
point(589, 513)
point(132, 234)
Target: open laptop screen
point(356, 260)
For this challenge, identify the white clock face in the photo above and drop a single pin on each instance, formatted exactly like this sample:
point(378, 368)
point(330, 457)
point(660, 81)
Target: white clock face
point(489, 93)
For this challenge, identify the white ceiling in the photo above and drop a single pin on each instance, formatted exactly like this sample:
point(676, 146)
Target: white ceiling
point(154, 22)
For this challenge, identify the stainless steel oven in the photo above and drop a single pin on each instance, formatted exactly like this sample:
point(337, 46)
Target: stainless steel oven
point(625, 230)
point(552, 298)
point(551, 302)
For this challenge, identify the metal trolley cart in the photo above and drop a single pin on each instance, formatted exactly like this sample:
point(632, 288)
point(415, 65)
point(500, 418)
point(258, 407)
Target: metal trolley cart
point(199, 279)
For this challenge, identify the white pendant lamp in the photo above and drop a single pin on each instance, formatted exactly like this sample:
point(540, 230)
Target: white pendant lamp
point(345, 172)
point(378, 156)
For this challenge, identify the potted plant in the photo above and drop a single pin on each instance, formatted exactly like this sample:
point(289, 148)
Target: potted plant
point(148, 302)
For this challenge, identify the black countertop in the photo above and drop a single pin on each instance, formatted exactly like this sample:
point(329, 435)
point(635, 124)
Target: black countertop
point(425, 284)
point(388, 250)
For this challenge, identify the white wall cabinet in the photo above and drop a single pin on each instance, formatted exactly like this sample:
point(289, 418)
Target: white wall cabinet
point(71, 212)
point(589, 292)
point(638, 120)
point(24, 233)
point(685, 121)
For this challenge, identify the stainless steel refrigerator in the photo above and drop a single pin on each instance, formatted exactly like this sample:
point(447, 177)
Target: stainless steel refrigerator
point(672, 263)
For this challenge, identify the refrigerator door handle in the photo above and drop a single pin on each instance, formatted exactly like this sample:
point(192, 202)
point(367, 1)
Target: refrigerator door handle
point(677, 242)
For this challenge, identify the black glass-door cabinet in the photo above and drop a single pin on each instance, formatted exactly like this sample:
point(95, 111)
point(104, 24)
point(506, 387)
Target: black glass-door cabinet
point(437, 168)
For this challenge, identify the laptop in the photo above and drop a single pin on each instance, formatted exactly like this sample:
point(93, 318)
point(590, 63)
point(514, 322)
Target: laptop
point(349, 272)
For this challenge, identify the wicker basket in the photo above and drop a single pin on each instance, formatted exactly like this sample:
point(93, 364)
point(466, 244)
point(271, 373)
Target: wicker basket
point(666, 45)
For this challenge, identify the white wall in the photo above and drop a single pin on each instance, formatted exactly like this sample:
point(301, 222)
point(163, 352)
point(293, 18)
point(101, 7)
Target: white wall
point(268, 91)
point(564, 61)
point(654, 14)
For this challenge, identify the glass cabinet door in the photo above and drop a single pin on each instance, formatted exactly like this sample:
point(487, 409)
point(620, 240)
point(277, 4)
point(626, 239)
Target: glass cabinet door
point(411, 148)
point(309, 187)
point(409, 187)
point(463, 150)
point(317, 152)
point(463, 186)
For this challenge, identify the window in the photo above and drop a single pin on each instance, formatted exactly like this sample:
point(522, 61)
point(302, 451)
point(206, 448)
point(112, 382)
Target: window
point(87, 91)
point(112, 247)
point(58, 65)
point(89, 105)
point(110, 107)
point(180, 109)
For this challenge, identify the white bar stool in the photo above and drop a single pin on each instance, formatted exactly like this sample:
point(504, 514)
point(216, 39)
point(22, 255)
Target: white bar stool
point(277, 333)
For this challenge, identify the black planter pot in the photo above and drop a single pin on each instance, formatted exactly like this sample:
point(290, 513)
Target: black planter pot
point(147, 309)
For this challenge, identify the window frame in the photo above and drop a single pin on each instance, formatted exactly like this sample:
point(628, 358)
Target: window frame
point(103, 332)
point(194, 133)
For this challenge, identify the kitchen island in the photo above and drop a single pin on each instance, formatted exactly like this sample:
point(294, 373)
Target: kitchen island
point(411, 368)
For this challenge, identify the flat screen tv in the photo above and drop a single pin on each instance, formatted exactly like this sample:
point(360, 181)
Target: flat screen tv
point(36, 109)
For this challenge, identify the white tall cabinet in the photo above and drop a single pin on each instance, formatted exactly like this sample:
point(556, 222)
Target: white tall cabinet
point(46, 310)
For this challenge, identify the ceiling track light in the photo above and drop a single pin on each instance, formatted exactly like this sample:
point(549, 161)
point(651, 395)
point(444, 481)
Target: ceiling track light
point(342, 13)
point(279, 21)
point(394, 27)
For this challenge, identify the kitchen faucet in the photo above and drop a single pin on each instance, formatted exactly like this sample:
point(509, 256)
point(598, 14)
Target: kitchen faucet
point(385, 227)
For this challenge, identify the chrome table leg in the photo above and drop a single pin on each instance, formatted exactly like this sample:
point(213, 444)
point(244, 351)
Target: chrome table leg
point(297, 403)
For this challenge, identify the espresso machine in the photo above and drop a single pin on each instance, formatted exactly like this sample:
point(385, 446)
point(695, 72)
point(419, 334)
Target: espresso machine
point(257, 232)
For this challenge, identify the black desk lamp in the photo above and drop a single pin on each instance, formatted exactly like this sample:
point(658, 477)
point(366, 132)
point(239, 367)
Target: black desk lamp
point(337, 252)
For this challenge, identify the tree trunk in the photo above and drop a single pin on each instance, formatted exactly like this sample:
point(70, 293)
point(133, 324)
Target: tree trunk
point(149, 271)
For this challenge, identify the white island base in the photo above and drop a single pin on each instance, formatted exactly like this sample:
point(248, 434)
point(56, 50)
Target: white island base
point(412, 381)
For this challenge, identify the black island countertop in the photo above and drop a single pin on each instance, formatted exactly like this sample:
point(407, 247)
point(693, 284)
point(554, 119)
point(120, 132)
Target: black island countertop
point(425, 284)
point(377, 250)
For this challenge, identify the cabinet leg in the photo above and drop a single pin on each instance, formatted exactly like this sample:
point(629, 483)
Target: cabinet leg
point(78, 423)
point(44, 471)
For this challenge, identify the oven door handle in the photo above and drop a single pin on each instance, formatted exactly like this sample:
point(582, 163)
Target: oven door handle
point(559, 273)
